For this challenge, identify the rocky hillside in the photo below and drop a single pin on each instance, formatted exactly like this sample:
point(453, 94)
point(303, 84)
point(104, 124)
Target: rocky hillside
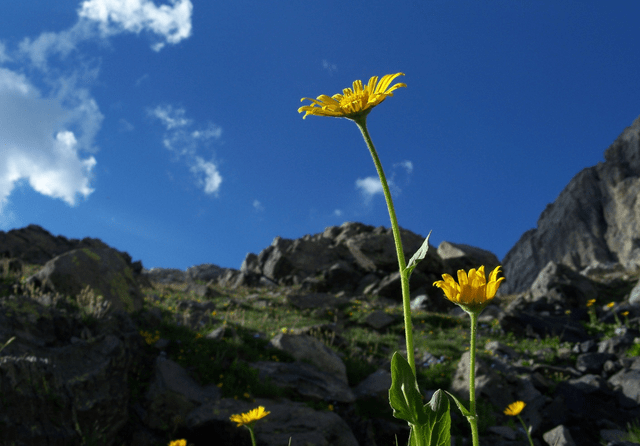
point(594, 222)
point(106, 353)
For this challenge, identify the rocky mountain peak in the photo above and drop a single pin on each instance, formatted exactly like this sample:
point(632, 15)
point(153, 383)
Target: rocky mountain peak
point(594, 220)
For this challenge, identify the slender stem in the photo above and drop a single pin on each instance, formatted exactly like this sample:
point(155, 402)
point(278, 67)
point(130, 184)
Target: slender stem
point(404, 278)
point(253, 436)
point(526, 431)
point(473, 419)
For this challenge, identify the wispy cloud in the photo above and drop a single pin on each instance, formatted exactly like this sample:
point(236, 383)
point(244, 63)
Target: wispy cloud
point(258, 206)
point(330, 67)
point(371, 186)
point(186, 142)
point(406, 165)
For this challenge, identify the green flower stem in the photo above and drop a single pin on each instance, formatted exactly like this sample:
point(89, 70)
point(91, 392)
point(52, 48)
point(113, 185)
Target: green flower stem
point(253, 436)
point(526, 430)
point(361, 121)
point(473, 418)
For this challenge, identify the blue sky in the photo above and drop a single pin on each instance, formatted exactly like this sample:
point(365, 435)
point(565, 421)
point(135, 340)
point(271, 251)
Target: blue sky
point(169, 128)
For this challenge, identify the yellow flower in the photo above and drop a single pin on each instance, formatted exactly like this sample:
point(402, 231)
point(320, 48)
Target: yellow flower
point(625, 313)
point(250, 417)
point(178, 443)
point(514, 409)
point(355, 102)
point(471, 292)
point(591, 302)
point(610, 304)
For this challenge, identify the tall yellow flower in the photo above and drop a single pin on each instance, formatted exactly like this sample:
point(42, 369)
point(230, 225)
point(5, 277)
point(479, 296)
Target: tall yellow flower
point(247, 419)
point(355, 102)
point(514, 409)
point(471, 292)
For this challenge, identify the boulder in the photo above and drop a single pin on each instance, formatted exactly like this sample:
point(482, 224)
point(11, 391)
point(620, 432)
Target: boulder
point(103, 270)
point(306, 380)
point(173, 394)
point(559, 283)
point(457, 256)
point(309, 349)
point(287, 419)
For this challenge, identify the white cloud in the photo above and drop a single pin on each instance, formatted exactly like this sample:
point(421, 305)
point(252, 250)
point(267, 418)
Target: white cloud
point(186, 142)
point(42, 137)
point(208, 175)
point(258, 206)
point(170, 23)
point(369, 186)
point(337, 213)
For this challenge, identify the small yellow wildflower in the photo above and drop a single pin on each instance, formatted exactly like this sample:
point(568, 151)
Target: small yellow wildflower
point(610, 304)
point(514, 409)
point(471, 292)
point(245, 419)
point(591, 302)
point(353, 103)
point(178, 443)
point(625, 313)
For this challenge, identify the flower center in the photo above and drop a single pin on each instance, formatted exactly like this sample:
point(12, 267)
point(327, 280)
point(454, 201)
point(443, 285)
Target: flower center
point(354, 102)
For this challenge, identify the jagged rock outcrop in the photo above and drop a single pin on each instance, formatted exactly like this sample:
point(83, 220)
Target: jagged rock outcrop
point(33, 244)
point(595, 219)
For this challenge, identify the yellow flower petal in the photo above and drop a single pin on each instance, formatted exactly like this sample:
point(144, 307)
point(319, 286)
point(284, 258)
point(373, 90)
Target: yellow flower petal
point(514, 409)
point(353, 102)
point(250, 417)
point(472, 292)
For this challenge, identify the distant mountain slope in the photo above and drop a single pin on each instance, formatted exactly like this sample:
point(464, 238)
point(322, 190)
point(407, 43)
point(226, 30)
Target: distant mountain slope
point(596, 218)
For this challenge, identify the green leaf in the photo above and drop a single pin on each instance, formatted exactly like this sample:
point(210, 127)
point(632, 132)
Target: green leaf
point(463, 409)
point(404, 396)
point(418, 256)
point(439, 419)
point(437, 430)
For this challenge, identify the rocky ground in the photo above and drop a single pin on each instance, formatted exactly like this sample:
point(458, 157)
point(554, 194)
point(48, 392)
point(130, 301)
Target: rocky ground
point(106, 353)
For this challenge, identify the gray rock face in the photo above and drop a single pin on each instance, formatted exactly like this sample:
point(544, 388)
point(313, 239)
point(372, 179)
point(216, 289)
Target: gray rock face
point(596, 218)
point(103, 270)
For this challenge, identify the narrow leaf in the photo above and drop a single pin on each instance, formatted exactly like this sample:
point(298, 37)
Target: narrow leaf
point(463, 409)
point(418, 256)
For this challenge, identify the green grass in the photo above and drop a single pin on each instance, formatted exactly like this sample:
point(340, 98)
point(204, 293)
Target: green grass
point(256, 315)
